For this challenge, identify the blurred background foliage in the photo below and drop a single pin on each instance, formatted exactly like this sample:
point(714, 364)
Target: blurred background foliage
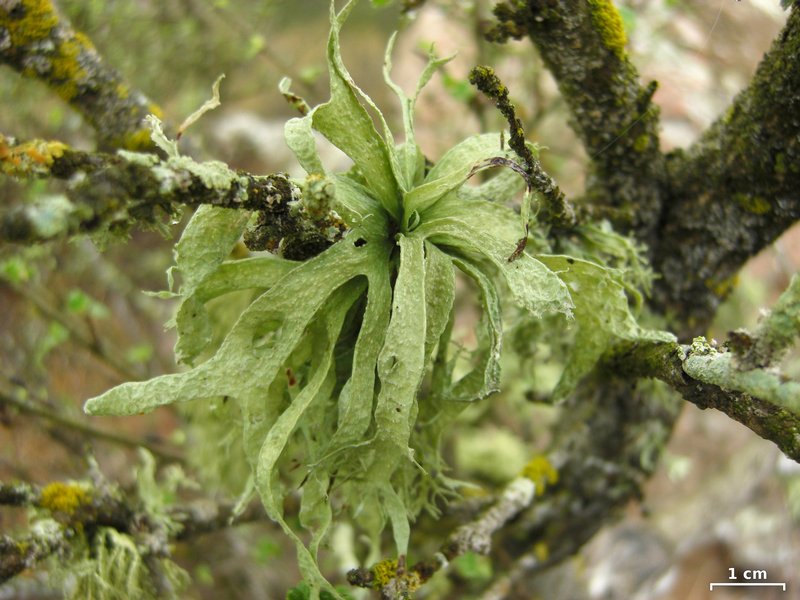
point(75, 322)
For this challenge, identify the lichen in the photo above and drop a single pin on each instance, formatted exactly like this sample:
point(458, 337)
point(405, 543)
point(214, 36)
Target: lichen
point(541, 472)
point(642, 143)
point(37, 20)
point(757, 205)
point(607, 20)
point(386, 571)
point(64, 498)
point(30, 158)
point(66, 72)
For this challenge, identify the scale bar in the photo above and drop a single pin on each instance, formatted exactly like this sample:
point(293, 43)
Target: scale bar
point(764, 584)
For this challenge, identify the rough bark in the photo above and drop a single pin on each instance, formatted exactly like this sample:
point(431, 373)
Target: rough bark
point(583, 45)
point(735, 190)
point(611, 433)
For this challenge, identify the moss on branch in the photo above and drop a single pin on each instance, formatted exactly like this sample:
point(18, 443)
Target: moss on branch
point(38, 42)
point(583, 45)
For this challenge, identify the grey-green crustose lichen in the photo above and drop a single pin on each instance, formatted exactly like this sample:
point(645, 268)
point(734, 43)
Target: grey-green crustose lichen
point(327, 360)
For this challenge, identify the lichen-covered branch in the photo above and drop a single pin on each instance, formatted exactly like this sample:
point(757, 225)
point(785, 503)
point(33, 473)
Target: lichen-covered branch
point(583, 45)
point(735, 190)
point(81, 507)
point(776, 332)
point(118, 190)
point(710, 379)
point(395, 581)
point(39, 42)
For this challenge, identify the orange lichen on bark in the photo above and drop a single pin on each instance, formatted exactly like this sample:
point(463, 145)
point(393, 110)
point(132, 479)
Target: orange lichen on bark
point(30, 158)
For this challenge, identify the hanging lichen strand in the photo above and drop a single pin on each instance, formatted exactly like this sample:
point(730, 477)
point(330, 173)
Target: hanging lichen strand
point(326, 363)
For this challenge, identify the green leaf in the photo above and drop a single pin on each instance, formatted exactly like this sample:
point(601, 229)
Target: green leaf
point(355, 415)
point(534, 286)
point(192, 320)
point(412, 161)
point(484, 379)
point(440, 292)
point(300, 139)
point(279, 433)
point(253, 352)
point(401, 364)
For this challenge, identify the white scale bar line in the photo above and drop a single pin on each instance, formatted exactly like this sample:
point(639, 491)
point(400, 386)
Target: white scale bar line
point(765, 584)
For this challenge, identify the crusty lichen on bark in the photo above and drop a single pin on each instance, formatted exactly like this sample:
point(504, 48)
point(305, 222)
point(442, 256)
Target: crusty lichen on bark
point(735, 190)
point(583, 45)
point(127, 188)
point(38, 42)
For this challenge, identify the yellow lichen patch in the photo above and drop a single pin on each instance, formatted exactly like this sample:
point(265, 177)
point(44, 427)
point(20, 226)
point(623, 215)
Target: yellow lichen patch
point(38, 17)
point(753, 204)
point(724, 287)
point(64, 498)
point(607, 20)
point(66, 72)
point(34, 157)
point(386, 570)
point(541, 551)
point(155, 109)
point(541, 472)
point(138, 141)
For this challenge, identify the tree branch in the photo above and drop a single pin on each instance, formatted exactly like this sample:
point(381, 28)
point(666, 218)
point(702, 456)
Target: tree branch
point(38, 408)
point(735, 190)
point(121, 189)
point(38, 42)
point(83, 507)
point(583, 45)
point(395, 582)
point(671, 364)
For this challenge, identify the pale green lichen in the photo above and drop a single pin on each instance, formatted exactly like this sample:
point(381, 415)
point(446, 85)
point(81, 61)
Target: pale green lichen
point(704, 363)
point(327, 360)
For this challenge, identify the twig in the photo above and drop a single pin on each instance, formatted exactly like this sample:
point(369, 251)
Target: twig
point(557, 210)
point(41, 43)
point(92, 344)
point(668, 362)
point(84, 507)
point(472, 537)
point(36, 407)
point(119, 190)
